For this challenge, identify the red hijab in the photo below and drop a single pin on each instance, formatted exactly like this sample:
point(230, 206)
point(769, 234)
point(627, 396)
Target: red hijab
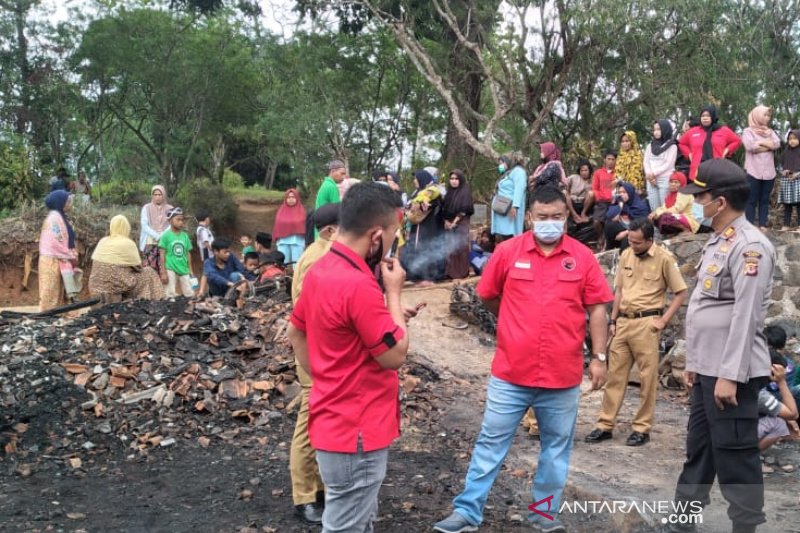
point(290, 220)
point(669, 201)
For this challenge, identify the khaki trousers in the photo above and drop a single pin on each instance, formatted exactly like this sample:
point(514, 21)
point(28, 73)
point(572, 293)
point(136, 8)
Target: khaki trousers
point(635, 341)
point(306, 481)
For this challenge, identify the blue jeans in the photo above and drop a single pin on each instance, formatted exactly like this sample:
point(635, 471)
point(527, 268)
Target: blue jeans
point(556, 411)
point(759, 196)
point(657, 194)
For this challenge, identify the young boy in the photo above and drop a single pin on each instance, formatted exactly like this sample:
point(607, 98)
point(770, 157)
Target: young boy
point(251, 266)
point(263, 242)
point(223, 269)
point(247, 245)
point(174, 247)
point(204, 235)
point(773, 414)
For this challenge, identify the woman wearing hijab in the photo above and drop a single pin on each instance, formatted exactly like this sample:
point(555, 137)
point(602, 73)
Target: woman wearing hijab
point(117, 271)
point(789, 194)
point(708, 140)
point(423, 257)
point(290, 227)
point(627, 206)
point(153, 222)
point(457, 209)
point(760, 143)
point(675, 216)
point(57, 255)
point(659, 163)
point(550, 171)
point(630, 164)
point(508, 204)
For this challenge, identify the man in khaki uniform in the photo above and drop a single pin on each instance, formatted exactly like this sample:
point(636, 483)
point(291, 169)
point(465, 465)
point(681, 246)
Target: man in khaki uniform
point(307, 487)
point(646, 271)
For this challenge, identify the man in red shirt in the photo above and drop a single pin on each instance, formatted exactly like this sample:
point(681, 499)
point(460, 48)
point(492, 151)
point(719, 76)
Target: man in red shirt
point(352, 340)
point(603, 185)
point(541, 285)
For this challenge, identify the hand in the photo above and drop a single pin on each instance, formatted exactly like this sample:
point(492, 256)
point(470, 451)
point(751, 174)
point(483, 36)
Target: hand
point(658, 324)
point(393, 275)
point(425, 206)
point(597, 373)
point(724, 153)
point(725, 393)
point(411, 312)
point(448, 225)
point(164, 278)
point(689, 378)
point(621, 235)
point(778, 373)
point(612, 330)
point(512, 213)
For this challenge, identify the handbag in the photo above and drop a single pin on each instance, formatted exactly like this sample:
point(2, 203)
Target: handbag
point(500, 204)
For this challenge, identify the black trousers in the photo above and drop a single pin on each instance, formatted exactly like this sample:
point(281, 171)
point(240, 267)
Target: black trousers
point(724, 444)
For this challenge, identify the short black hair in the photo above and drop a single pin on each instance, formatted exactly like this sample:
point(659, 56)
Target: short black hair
point(609, 152)
point(584, 163)
point(251, 255)
point(221, 243)
point(365, 205)
point(264, 239)
point(547, 194)
point(776, 358)
point(202, 215)
point(645, 225)
point(272, 258)
point(776, 337)
point(379, 173)
point(736, 195)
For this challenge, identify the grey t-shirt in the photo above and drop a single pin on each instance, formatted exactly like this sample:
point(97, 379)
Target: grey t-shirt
point(768, 405)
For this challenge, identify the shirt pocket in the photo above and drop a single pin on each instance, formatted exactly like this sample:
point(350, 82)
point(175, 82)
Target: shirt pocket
point(710, 279)
point(521, 284)
point(570, 286)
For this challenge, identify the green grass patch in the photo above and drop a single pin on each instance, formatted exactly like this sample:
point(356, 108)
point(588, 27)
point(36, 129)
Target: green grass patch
point(256, 193)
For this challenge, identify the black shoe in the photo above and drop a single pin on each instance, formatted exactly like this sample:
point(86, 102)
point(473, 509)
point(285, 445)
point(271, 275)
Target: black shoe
point(310, 513)
point(598, 435)
point(637, 439)
point(743, 528)
point(321, 499)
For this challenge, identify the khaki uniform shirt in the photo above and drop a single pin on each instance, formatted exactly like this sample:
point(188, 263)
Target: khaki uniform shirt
point(310, 255)
point(644, 280)
point(725, 318)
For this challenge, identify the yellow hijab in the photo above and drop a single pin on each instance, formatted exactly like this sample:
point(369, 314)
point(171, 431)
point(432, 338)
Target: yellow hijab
point(118, 248)
point(630, 164)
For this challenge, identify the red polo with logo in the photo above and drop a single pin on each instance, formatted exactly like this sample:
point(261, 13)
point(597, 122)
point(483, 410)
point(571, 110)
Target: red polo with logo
point(343, 313)
point(543, 300)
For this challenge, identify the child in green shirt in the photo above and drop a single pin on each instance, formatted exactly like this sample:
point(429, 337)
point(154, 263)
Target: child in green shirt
point(174, 247)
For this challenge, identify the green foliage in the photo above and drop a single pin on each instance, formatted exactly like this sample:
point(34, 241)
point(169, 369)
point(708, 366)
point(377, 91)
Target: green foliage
point(17, 182)
point(231, 180)
point(122, 192)
point(206, 195)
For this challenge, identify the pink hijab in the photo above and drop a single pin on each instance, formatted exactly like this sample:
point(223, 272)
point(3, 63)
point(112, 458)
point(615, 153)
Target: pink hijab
point(758, 121)
point(157, 214)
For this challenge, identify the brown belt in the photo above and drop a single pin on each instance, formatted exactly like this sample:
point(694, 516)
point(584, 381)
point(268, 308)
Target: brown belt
point(641, 314)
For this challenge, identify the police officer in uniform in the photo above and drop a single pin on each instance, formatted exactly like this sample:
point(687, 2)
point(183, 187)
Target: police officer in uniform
point(727, 360)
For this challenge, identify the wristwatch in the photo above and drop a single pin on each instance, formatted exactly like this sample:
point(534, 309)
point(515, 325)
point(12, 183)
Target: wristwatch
point(600, 357)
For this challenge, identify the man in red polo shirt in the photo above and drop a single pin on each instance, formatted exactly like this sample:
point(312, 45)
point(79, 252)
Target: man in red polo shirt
point(352, 340)
point(541, 285)
point(603, 186)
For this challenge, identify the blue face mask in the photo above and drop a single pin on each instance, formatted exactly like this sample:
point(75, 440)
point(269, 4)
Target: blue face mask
point(501, 168)
point(548, 231)
point(698, 212)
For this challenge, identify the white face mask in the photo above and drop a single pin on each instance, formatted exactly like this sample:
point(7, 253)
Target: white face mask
point(548, 231)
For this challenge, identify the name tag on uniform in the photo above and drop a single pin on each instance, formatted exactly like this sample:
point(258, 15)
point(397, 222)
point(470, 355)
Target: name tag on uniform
point(520, 264)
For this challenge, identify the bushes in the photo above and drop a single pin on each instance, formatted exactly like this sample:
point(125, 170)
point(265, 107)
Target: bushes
point(122, 192)
point(231, 180)
point(17, 182)
point(203, 194)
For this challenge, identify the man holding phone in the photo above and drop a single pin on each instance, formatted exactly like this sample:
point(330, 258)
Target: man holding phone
point(352, 339)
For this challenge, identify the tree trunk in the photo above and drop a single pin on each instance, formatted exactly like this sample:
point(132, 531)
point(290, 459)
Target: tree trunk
point(457, 152)
point(269, 175)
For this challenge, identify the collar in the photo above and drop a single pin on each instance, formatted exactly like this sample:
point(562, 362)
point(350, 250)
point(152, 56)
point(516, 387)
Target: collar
point(533, 246)
point(730, 232)
point(651, 252)
point(350, 257)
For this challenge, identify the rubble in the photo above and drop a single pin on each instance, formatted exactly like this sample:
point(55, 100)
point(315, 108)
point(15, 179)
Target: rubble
point(465, 304)
point(153, 375)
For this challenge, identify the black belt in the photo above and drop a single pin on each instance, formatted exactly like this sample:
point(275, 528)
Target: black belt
point(641, 314)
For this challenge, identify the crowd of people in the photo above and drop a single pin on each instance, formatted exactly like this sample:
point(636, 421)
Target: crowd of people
point(351, 255)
